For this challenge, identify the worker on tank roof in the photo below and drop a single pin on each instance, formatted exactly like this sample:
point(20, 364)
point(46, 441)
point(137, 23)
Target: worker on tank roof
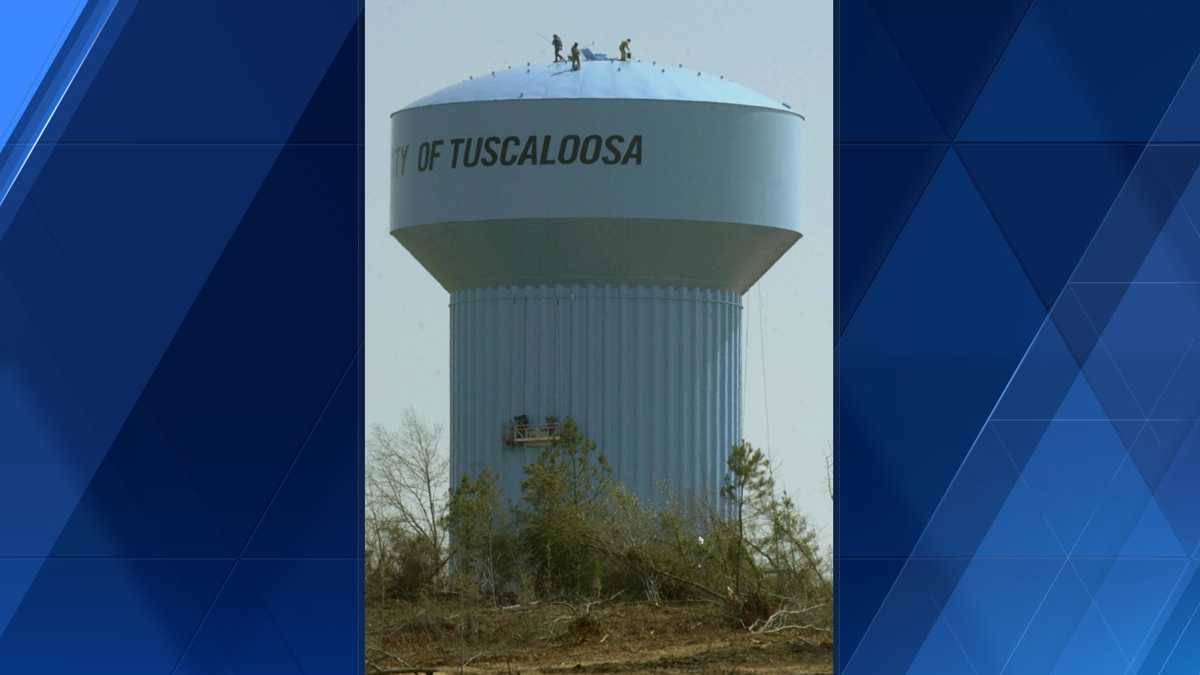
point(626, 54)
point(557, 42)
point(575, 56)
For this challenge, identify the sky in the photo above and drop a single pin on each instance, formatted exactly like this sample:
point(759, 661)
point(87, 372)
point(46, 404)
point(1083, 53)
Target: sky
point(782, 48)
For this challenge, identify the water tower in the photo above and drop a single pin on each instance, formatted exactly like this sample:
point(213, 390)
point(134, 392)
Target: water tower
point(596, 230)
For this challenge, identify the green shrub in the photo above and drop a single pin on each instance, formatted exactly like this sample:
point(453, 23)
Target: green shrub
point(564, 497)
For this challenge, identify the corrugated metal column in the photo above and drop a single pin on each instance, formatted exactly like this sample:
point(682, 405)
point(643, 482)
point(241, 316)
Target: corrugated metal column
point(650, 373)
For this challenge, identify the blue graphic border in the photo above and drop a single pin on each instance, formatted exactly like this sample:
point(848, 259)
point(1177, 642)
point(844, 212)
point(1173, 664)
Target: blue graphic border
point(1017, 282)
point(181, 333)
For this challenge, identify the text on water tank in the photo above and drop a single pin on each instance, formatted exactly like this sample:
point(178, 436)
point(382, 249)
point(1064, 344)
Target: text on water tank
point(545, 150)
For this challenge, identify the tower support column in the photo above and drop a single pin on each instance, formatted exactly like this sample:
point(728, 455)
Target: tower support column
point(652, 374)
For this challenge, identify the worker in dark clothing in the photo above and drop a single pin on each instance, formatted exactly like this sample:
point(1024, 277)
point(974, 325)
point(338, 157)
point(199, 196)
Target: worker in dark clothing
point(557, 42)
point(626, 54)
point(575, 56)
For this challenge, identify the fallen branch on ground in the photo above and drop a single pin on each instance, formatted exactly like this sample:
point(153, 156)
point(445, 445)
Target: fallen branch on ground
point(520, 606)
point(776, 623)
point(390, 655)
point(587, 606)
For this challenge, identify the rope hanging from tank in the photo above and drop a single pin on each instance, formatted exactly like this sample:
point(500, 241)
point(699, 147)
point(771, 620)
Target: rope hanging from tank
point(762, 352)
point(745, 357)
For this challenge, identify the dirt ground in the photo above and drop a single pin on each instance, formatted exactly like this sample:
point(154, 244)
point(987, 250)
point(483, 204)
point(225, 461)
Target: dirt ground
point(615, 637)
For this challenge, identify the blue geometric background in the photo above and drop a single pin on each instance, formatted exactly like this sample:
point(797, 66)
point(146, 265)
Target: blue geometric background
point(180, 337)
point(1017, 374)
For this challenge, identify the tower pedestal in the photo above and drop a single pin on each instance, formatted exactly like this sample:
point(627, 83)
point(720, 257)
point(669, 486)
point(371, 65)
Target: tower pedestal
point(650, 373)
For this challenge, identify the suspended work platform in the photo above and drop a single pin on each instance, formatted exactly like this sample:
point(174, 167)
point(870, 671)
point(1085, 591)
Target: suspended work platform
point(520, 432)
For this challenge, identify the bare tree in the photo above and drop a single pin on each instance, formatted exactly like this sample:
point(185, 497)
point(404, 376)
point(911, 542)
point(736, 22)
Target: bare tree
point(378, 548)
point(408, 479)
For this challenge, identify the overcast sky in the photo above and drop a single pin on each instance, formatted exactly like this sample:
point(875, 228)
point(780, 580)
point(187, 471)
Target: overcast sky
point(780, 48)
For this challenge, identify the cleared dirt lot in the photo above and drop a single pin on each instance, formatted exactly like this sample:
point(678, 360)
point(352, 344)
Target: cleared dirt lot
point(616, 637)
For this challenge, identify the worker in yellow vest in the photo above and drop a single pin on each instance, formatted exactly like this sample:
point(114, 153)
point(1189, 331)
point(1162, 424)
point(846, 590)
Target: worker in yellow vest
point(575, 56)
point(626, 54)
